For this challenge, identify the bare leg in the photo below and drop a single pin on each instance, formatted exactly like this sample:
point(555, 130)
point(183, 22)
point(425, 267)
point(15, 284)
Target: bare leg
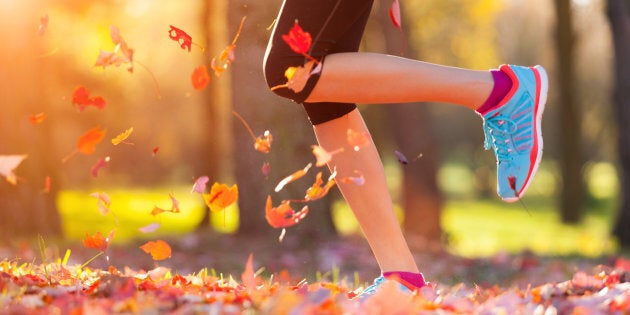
point(371, 202)
point(361, 77)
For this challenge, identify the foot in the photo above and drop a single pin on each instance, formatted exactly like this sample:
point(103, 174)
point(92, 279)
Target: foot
point(407, 282)
point(378, 283)
point(513, 130)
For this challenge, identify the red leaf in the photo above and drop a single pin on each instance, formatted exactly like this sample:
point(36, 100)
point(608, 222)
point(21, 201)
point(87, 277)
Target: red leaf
point(37, 118)
point(102, 162)
point(299, 40)
point(200, 78)
point(181, 37)
point(81, 98)
point(394, 14)
point(97, 241)
point(283, 216)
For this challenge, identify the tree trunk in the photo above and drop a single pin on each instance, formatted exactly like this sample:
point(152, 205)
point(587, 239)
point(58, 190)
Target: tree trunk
point(213, 157)
point(571, 161)
point(287, 122)
point(421, 197)
point(26, 209)
point(619, 16)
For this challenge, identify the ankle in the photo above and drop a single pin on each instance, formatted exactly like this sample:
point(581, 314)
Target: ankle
point(411, 280)
point(502, 86)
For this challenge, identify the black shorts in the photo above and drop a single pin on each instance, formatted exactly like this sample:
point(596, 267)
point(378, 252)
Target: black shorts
point(335, 26)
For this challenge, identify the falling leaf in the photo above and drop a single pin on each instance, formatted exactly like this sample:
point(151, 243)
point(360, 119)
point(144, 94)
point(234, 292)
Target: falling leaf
point(318, 190)
point(226, 57)
point(401, 157)
point(102, 162)
point(109, 58)
point(122, 46)
point(299, 40)
point(394, 13)
point(266, 169)
point(43, 25)
point(88, 141)
point(122, 137)
point(47, 183)
point(200, 78)
point(248, 277)
point(155, 151)
point(159, 250)
point(357, 140)
point(221, 196)
point(293, 177)
point(149, 228)
point(261, 143)
point(8, 164)
point(181, 37)
point(81, 98)
point(283, 216)
point(97, 241)
point(357, 180)
point(297, 77)
point(174, 207)
point(103, 202)
point(37, 118)
point(322, 156)
point(200, 185)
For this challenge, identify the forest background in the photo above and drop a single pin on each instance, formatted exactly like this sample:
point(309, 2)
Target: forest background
point(445, 194)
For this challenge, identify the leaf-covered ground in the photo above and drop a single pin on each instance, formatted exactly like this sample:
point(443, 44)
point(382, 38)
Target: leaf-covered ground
point(213, 275)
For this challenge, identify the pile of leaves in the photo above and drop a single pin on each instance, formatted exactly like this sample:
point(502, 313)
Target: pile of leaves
point(59, 288)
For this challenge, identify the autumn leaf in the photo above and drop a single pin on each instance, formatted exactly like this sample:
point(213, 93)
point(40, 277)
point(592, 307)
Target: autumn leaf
point(200, 78)
point(293, 177)
point(394, 14)
point(81, 98)
point(401, 157)
point(357, 140)
point(121, 46)
point(88, 141)
point(8, 164)
point(283, 216)
point(357, 180)
point(47, 184)
point(174, 207)
point(221, 196)
point(322, 156)
point(299, 40)
point(181, 37)
point(318, 190)
point(149, 228)
point(226, 57)
point(122, 137)
point(159, 249)
point(248, 277)
point(103, 202)
point(102, 162)
point(37, 118)
point(297, 77)
point(154, 151)
point(200, 185)
point(265, 169)
point(97, 241)
point(261, 143)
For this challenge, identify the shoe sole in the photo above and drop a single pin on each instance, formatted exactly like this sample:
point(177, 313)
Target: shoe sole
point(541, 77)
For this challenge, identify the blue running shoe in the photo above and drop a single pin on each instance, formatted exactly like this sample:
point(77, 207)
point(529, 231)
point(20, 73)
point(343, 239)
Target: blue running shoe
point(378, 282)
point(513, 130)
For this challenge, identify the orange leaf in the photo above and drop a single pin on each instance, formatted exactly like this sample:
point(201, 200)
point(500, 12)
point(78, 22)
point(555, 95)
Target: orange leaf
point(221, 196)
point(97, 241)
point(357, 140)
point(120, 138)
point(394, 14)
point(88, 141)
point(317, 191)
point(200, 78)
point(283, 216)
point(293, 177)
point(159, 250)
point(8, 164)
point(37, 118)
point(263, 143)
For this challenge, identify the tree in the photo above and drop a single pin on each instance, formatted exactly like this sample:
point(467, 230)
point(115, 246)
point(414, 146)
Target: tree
point(571, 161)
point(619, 16)
point(25, 209)
point(421, 197)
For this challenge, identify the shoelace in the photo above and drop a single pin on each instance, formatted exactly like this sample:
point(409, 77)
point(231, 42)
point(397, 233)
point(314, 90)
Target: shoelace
point(497, 131)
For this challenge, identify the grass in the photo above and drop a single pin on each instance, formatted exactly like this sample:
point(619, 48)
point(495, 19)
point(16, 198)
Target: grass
point(474, 227)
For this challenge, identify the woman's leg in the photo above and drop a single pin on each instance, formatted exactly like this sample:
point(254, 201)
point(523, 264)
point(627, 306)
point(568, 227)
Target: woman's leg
point(377, 78)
